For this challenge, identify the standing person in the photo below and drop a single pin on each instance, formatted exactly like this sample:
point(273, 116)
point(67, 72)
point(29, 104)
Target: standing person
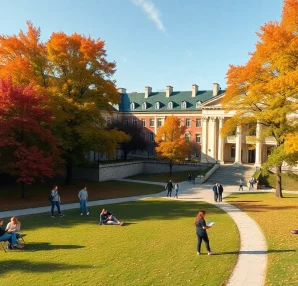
point(176, 187)
point(251, 183)
point(55, 199)
point(107, 217)
point(219, 191)
point(201, 232)
point(215, 192)
point(169, 188)
point(83, 196)
point(9, 236)
point(189, 177)
point(240, 185)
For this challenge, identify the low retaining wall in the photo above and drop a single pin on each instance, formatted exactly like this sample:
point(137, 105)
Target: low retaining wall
point(201, 180)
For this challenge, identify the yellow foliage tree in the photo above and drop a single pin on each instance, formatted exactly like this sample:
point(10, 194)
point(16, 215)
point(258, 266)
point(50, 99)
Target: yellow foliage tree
point(265, 90)
point(171, 142)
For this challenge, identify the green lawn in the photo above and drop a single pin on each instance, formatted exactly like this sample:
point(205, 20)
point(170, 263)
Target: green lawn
point(164, 177)
point(276, 217)
point(156, 247)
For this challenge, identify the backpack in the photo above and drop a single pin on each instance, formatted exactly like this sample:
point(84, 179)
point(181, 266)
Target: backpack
point(50, 196)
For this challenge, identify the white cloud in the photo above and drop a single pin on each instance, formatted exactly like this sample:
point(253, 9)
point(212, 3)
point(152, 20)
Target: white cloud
point(152, 12)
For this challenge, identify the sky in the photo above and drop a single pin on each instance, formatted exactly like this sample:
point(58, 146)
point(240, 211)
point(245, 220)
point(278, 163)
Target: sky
point(154, 42)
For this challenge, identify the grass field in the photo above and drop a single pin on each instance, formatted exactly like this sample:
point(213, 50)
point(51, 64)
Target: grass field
point(156, 247)
point(37, 195)
point(164, 177)
point(276, 217)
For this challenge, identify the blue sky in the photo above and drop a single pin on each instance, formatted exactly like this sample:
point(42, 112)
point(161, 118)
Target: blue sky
point(155, 42)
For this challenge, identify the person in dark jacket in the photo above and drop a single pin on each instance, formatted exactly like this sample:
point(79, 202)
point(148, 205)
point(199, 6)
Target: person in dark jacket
point(201, 232)
point(107, 217)
point(169, 188)
point(10, 237)
point(215, 192)
point(220, 191)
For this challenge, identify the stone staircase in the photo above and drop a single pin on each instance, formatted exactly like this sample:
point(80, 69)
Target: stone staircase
point(229, 174)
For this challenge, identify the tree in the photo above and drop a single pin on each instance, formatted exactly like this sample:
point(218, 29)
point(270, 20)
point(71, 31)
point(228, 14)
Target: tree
point(265, 90)
point(134, 142)
point(74, 72)
point(171, 141)
point(27, 148)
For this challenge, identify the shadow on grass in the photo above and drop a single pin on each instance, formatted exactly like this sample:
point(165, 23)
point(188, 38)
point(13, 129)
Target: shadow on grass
point(41, 246)
point(249, 252)
point(30, 266)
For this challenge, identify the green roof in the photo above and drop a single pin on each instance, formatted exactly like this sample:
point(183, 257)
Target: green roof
point(177, 97)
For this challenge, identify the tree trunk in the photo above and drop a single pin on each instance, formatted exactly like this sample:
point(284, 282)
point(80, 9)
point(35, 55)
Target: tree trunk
point(68, 178)
point(125, 155)
point(171, 166)
point(278, 189)
point(22, 190)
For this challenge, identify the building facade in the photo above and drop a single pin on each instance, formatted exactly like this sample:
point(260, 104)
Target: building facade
point(201, 112)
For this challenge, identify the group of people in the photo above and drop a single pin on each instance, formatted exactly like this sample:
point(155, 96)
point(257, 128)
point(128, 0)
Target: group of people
point(169, 188)
point(217, 191)
point(11, 233)
point(252, 181)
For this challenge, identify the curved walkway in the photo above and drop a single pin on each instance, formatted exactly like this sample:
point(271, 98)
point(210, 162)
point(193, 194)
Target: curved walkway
point(252, 260)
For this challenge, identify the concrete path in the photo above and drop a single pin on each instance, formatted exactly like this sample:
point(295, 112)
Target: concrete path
point(252, 260)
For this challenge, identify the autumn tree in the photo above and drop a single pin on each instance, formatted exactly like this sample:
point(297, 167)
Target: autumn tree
point(135, 141)
point(265, 90)
point(171, 143)
point(27, 148)
point(74, 72)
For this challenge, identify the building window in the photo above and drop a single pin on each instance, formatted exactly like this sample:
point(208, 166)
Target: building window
point(198, 104)
point(151, 137)
point(134, 121)
point(170, 105)
point(187, 137)
point(159, 122)
point(187, 122)
point(183, 104)
point(198, 138)
point(143, 122)
point(151, 122)
point(132, 106)
point(125, 121)
point(198, 122)
point(144, 105)
point(233, 152)
point(157, 105)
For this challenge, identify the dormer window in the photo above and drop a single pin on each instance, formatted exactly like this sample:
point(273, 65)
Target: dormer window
point(144, 105)
point(132, 106)
point(170, 105)
point(198, 104)
point(183, 104)
point(157, 105)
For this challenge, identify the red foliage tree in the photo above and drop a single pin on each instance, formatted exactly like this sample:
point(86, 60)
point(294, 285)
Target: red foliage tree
point(27, 148)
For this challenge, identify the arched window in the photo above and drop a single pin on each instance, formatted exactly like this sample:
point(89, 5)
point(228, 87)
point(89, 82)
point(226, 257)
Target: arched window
point(170, 105)
point(144, 105)
point(157, 105)
point(132, 106)
point(198, 104)
point(183, 104)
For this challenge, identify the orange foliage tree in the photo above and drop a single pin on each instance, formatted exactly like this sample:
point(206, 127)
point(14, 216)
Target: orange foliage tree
point(265, 89)
point(171, 142)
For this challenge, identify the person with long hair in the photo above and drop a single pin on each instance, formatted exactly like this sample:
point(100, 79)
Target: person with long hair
point(201, 230)
point(9, 236)
point(14, 226)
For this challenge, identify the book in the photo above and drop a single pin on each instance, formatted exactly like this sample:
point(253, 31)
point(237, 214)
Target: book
point(210, 223)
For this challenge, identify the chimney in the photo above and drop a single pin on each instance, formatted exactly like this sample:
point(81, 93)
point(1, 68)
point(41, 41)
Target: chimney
point(194, 90)
point(215, 89)
point(121, 90)
point(169, 90)
point(148, 90)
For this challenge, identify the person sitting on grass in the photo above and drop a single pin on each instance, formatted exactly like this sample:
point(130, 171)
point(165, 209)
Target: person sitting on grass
point(107, 218)
point(295, 231)
point(10, 237)
point(14, 226)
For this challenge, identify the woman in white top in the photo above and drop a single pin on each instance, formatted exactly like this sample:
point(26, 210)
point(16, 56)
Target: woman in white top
point(14, 226)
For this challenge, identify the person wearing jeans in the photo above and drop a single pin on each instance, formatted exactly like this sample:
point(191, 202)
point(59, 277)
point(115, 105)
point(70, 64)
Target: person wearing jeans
point(83, 196)
point(9, 236)
point(55, 198)
point(107, 218)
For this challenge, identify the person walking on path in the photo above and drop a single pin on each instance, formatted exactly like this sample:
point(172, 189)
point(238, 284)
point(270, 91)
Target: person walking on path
point(55, 199)
point(219, 191)
point(176, 187)
point(201, 232)
point(251, 183)
point(189, 177)
point(169, 188)
point(240, 185)
point(83, 196)
point(215, 192)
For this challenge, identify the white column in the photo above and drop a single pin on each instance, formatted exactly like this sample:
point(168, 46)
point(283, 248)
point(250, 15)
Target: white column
point(220, 157)
point(259, 145)
point(238, 145)
point(204, 150)
point(155, 125)
point(213, 139)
